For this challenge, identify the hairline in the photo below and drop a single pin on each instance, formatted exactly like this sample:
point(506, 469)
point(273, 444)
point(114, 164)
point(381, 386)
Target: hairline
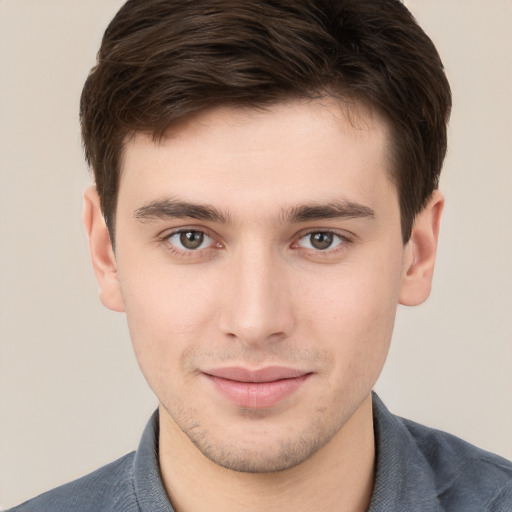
point(349, 104)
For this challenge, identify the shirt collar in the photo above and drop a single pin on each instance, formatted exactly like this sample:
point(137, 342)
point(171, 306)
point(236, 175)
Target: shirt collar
point(403, 478)
point(149, 487)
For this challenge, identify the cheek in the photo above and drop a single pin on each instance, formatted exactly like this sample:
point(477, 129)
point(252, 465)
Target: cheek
point(353, 316)
point(169, 298)
point(168, 314)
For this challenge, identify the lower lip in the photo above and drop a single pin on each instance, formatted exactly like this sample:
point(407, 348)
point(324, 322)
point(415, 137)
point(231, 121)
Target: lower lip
point(257, 395)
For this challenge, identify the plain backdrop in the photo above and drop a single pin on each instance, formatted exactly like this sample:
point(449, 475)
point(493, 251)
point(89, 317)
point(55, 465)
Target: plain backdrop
point(71, 395)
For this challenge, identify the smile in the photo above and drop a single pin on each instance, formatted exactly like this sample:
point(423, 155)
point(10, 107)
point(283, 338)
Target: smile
point(257, 389)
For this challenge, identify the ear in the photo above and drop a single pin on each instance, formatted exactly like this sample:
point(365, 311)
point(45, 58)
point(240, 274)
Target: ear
point(420, 253)
point(102, 253)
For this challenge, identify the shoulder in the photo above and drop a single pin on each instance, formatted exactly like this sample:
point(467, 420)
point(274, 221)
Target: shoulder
point(466, 477)
point(109, 488)
point(421, 468)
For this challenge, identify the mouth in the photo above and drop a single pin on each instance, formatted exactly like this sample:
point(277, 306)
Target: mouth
point(256, 389)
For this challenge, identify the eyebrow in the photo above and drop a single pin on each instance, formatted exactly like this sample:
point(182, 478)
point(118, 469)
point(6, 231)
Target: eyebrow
point(333, 210)
point(172, 208)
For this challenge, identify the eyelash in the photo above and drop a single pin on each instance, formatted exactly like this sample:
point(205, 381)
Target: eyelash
point(184, 253)
point(344, 241)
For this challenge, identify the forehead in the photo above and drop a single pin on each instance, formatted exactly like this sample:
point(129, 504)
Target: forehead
point(292, 152)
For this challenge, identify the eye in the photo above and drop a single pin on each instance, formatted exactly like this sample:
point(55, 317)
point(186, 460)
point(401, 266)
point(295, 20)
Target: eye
point(321, 240)
point(190, 240)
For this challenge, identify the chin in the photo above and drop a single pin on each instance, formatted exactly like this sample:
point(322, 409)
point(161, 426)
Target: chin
point(261, 451)
point(265, 460)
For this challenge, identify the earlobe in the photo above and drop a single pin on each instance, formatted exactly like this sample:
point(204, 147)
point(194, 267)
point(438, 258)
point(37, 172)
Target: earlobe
point(420, 253)
point(102, 253)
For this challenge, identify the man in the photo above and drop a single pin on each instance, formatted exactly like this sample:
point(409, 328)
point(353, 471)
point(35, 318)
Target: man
point(266, 194)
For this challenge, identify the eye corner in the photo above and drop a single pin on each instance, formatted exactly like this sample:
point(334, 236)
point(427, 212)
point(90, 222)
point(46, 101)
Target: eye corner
point(189, 241)
point(330, 244)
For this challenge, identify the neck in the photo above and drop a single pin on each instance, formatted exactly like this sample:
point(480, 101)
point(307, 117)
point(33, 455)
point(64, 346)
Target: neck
point(339, 476)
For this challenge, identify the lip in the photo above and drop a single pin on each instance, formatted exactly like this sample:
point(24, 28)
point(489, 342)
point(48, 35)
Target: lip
point(256, 388)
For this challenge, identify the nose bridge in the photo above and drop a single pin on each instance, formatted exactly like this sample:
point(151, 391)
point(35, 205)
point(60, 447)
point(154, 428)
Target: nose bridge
point(257, 307)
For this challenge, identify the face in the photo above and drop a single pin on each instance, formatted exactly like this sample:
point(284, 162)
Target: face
point(260, 261)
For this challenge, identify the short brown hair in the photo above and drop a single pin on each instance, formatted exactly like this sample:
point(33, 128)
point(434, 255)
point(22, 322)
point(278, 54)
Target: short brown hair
point(163, 60)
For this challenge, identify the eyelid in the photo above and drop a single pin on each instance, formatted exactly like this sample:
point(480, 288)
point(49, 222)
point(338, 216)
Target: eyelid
point(164, 237)
point(345, 235)
point(168, 232)
point(345, 239)
point(217, 243)
point(205, 240)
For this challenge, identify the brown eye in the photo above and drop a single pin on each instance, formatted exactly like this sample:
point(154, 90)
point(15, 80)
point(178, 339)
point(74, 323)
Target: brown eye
point(321, 240)
point(189, 240)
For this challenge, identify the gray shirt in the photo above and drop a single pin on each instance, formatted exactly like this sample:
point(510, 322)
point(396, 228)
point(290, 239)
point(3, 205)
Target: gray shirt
point(417, 469)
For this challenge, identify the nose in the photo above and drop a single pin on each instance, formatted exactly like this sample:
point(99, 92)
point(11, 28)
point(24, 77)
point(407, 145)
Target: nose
point(257, 308)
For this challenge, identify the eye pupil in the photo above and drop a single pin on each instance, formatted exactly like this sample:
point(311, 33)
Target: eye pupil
point(321, 241)
point(191, 239)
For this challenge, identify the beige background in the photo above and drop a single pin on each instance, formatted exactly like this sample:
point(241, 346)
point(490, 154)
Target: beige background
point(71, 396)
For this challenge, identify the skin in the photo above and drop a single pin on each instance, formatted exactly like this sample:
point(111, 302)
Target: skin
point(258, 292)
